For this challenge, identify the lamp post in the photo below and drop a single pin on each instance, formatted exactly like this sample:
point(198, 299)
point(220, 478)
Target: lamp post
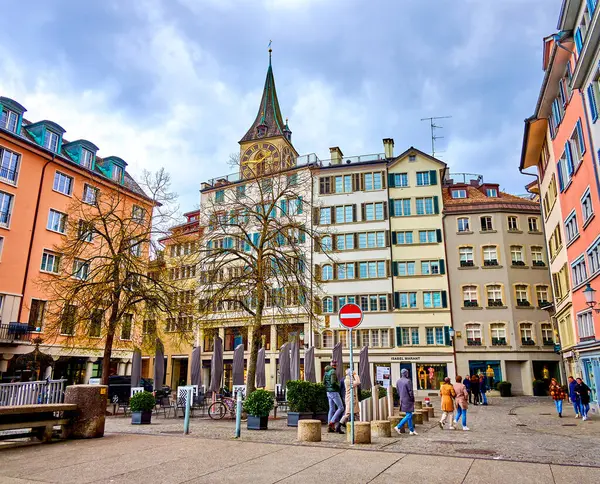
point(590, 297)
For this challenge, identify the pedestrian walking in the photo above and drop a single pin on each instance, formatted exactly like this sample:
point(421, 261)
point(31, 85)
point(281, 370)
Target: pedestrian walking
point(583, 392)
point(351, 406)
point(558, 395)
point(332, 387)
point(407, 402)
point(573, 396)
point(462, 397)
point(467, 383)
point(475, 389)
point(447, 393)
point(483, 388)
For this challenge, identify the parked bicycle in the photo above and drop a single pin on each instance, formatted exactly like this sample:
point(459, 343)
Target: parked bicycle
point(223, 406)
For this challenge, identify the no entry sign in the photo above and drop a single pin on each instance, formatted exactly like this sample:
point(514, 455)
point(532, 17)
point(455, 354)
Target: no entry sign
point(350, 315)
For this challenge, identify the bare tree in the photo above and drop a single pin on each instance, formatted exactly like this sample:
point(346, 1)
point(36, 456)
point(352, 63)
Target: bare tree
point(106, 281)
point(256, 253)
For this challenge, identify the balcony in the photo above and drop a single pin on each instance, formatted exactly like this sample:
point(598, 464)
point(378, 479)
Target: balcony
point(8, 175)
point(498, 341)
point(15, 333)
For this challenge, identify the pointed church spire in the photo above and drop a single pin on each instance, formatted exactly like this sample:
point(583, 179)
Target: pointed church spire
point(268, 122)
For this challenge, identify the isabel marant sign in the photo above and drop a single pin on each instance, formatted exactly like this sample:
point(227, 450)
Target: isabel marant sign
point(406, 358)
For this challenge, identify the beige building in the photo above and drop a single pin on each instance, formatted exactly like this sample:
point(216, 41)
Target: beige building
point(498, 269)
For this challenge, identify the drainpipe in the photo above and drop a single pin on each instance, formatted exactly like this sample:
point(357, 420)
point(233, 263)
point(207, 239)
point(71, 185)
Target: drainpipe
point(32, 238)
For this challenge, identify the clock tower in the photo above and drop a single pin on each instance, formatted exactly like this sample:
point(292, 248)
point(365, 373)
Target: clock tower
point(267, 145)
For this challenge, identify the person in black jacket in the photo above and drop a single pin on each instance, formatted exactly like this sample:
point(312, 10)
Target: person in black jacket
point(475, 390)
point(583, 392)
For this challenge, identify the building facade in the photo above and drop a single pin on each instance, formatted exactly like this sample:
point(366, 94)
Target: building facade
point(498, 270)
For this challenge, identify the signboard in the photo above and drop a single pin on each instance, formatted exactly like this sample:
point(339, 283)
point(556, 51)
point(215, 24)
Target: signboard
point(95, 381)
point(350, 315)
point(383, 376)
point(239, 389)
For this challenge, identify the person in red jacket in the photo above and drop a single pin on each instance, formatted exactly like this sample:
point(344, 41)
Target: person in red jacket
point(558, 395)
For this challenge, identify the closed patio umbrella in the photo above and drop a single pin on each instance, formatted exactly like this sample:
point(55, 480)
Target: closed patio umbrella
point(337, 357)
point(216, 366)
point(136, 368)
point(159, 365)
point(196, 367)
point(284, 365)
point(261, 380)
point(238, 365)
point(295, 360)
point(364, 370)
point(309, 365)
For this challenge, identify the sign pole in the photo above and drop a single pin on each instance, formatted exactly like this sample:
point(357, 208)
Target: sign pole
point(351, 379)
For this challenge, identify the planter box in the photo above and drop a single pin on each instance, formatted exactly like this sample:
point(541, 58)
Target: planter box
point(141, 418)
point(322, 416)
point(257, 423)
point(293, 417)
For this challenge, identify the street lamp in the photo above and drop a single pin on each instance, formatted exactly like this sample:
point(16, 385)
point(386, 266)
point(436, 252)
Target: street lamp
point(590, 297)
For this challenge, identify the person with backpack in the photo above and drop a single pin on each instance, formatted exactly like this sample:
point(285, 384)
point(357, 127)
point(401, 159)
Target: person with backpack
point(332, 387)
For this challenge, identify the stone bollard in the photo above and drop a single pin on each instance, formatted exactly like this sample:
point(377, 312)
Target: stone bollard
point(418, 404)
point(394, 421)
point(390, 400)
point(425, 414)
point(430, 411)
point(309, 430)
point(362, 432)
point(381, 428)
point(418, 417)
point(91, 409)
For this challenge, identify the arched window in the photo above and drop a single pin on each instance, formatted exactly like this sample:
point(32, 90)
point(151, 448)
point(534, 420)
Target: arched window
point(327, 304)
point(327, 273)
point(522, 294)
point(527, 334)
point(326, 243)
point(494, 295)
point(498, 333)
point(470, 296)
point(466, 256)
point(473, 334)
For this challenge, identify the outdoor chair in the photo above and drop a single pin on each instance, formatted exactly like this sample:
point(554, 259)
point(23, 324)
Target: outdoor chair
point(164, 404)
point(199, 402)
point(180, 403)
point(280, 398)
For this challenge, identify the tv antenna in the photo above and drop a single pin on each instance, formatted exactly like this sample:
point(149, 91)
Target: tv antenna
point(434, 126)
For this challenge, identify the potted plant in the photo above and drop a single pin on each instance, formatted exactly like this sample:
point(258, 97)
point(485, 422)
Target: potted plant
point(504, 388)
point(539, 388)
point(258, 406)
point(300, 400)
point(320, 403)
point(141, 405)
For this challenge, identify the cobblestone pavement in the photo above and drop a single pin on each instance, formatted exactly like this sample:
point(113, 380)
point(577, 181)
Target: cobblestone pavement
point(524, 429)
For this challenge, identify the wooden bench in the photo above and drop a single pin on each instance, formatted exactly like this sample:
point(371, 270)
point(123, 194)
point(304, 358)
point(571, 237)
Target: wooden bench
point(41, 419)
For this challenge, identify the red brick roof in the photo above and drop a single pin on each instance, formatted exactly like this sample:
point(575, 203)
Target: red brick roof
point(478, 201)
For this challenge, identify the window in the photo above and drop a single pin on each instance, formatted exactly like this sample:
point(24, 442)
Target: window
point(1, 247)
point(63, 183)
point(85, 231)
point(585, 325)
point(371, 240)
point(51, 141)
point(81, 269)
point(325, 216)
point(126, 326)
point(465, 255)
point(486, 224)
point(577, 145)
point(327, 305)
point(87, 158)
point(138, 213)
point(383, 300)
point(555, 242)
point(547, 334)
point(400, 180)
point(240, 191)
point(136, 248)
point(403, 238)
point(324, 185)
point(326, 243)
point(327, 339)
point(327, 272)
point(564, 169)
point(516, 254)
point(470, 296)
point(374, 211)
point(579, 271)
point(532, 222)
point(491, 192)
point(9, 120)
point(412, 158)
point(344, 242)
point(344, 214)
point(410, 336)
point(527, 334)
point(96, 318)
point(586, 206)
point(430, 267)
point(6, 205)
point(405, 268)
point(473, 334)
point(68, 319)
point(9, 166)
point(90, 194)
point(463, 224)
point(459, 193)
point(425, 205)
point(292, 180)
point(50, 262)
point(494, 295)
point(498, 333)
point(407, 300)
point(490, 255)
point(571, 227)
point(432, 299)
point(522, 295)
point(401, 207)
point(36, 313)
point(373, 181)
point(117, 173)
point(345, 271)
point(57, 221)
point(513, 224)
point(220, 196)
point(343, 184)
point(435, 336)
point(423, 178)
point(537, 256)
point(371, 270)
point(593, 257)
point(427, 237)
point(541, 293)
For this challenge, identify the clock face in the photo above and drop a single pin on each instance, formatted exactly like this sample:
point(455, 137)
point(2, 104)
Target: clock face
point(260, 151)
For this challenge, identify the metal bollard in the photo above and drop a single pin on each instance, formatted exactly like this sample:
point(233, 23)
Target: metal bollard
point(238, 415)
point(188, 405)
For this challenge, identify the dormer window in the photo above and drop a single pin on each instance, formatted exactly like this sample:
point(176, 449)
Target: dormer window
point(9, 120)
point(117, 173)
point(51, 140)
point(491, 192)
point(459, 193)
point(261, 130)
point(87, 158)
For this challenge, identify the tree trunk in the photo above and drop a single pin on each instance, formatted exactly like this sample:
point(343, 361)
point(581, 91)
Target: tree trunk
point(108, 344)
point(251, 375)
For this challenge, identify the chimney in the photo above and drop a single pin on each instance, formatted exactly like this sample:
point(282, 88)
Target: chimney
point(336, 155)
point(388, 147)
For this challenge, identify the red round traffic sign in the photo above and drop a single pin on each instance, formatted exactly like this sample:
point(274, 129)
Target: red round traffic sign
point(350, 315)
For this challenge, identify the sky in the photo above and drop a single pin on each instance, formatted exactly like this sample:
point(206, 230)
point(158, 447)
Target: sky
point(176, 83)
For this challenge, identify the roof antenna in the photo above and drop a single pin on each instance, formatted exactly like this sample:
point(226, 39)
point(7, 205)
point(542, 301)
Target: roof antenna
point(433, 128)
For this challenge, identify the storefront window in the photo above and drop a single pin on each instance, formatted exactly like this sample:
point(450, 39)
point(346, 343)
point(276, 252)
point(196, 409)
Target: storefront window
point(431, 375)
point(287, 332)
point(490, 369)
point(235, 337)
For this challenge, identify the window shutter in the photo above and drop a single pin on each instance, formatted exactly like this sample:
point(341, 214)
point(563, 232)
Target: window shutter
point(444, 299)
point(389, 301)
point(301, 236)
point(392, 208)
point(355, 235)
point(315, 216)
point(578, 40)
point(317, 272)
point(283, 204)
point(398, 336)
point(335, 271)
point(591, 7)
point(334, 239)
point(362, 181)
point(442, 266)
point(355, 182)
point(561, 185)
point(592, 101)
point(570, 168)
point(433, 177)
point(383, 177)
point(387, 238)
point(354, 218)
point(436, 205)
point(396, 300)
point(395, 267)
point(438, 233)
point(447, 339)
point(299, 202)
point(394, 238)
point(580, 136)
point(335, 304)
point(255, 238)
point(333, 219)
point(387, 268)
point(317, 244)
point(385, 210)
point(363, 214)
point(391, 181)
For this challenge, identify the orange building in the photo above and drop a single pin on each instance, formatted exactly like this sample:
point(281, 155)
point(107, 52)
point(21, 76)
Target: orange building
point(41, 174)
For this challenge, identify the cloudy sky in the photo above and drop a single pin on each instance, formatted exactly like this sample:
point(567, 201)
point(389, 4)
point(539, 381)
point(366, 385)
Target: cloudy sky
point(176, 83)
